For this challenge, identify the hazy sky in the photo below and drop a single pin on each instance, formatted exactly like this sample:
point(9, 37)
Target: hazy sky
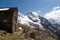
point(24, 6)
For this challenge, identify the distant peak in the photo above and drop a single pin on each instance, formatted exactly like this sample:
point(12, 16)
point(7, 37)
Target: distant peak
point(35, 13)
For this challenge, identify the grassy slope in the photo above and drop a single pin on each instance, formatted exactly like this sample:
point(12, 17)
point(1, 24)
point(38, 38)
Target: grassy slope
point(26, 34)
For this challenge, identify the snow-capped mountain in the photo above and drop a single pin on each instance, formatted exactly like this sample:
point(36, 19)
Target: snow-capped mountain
point(33, 20)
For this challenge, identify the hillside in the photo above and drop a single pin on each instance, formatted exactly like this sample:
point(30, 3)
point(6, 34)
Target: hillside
point(25, 33)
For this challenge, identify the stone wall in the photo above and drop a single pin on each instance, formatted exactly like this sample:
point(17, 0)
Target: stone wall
point(8, 20)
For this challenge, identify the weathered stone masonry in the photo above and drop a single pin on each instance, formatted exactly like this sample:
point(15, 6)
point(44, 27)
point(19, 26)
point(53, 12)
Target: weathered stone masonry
point(8, 20)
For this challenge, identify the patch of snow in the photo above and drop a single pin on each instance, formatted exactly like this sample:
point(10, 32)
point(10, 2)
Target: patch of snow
point(4, 9)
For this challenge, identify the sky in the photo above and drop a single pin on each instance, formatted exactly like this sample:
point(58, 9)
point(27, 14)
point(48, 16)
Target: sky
point(41, 6)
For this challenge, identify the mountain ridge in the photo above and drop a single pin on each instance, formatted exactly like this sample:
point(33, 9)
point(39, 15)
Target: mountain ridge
point(40, 23)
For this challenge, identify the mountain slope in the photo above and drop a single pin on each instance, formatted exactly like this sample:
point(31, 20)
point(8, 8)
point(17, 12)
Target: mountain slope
point(25, 33)
point(39, 23)
point(34, 34)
